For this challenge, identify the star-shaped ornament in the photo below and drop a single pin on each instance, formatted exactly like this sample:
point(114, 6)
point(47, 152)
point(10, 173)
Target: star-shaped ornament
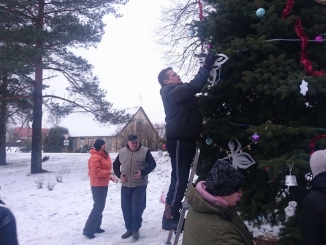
point(303, 87)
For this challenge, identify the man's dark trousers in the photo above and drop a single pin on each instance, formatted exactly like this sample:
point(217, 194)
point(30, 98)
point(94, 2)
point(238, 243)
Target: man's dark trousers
point(133, 204)
point(95, 218)
point(182, 153)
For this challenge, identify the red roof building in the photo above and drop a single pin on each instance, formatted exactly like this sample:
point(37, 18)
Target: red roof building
point(26, 133)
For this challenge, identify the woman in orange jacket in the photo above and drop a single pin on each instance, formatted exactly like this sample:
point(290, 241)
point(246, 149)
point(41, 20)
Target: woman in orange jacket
point(99, 172)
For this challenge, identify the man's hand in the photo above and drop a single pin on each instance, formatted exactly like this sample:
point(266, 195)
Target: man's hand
point(137, 176)
point(114, 179)
point(209, 61)
point(123, 178)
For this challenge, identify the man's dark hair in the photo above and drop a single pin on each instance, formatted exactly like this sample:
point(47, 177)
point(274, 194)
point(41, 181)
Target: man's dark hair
point(163, 75)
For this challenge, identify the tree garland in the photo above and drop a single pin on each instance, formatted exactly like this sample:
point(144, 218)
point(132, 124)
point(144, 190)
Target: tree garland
point(312, 142)
point(307, 64)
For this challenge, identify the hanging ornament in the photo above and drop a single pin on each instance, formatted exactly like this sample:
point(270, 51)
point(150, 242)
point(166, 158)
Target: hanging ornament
point(303, 87)
point(309, 177)
point(283, 193)
point(260, 12)
point(238, 158)
point(319, 39)
point(164, 146)
point(290, 210)
point(255, 138)
point(221, 59)
point(209, 141)
point(191, 32)
point(291, 180)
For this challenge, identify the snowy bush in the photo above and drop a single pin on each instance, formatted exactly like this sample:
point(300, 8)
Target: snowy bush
point(58, 177)
point(50, 185)
point(39, 182)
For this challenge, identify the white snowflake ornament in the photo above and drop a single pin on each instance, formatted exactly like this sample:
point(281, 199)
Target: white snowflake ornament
point(290, 210)
point(221, 59)
point(303, 87)
point(238, 158)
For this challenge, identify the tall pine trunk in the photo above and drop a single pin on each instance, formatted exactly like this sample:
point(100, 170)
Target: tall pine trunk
point(36, 161)
point(3, 123)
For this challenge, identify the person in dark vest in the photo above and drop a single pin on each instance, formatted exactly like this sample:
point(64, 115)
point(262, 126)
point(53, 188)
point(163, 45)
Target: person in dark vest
point(99, 172)
point(314, 204)
point(8, 230)
point(183, 127)
point(132, 165)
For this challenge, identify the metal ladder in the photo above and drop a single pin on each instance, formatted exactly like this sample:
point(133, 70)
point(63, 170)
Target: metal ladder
point(185, 204)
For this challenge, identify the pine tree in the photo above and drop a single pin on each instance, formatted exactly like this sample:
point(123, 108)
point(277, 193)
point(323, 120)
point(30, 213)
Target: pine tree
point(52, 29)
point(15, 82)
point(259, 92)
point(53, 142)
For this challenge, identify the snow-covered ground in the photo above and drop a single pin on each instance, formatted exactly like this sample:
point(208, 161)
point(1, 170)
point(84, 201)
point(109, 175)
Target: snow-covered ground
point(58, 217)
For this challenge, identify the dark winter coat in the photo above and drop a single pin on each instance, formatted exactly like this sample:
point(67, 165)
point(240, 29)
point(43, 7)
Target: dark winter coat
point(8, 232)
point(130, 161)
point(182, 116)
point(206, 224)
point(314, 213)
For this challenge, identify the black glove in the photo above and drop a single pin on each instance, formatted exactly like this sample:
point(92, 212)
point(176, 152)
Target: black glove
point(209, 61)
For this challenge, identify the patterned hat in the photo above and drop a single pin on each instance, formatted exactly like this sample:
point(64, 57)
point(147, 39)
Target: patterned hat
point(98, 144)
point(224, 179)
point(318, 162)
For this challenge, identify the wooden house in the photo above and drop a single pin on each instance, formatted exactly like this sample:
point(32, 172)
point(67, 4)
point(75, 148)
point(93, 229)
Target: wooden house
point(84, 131)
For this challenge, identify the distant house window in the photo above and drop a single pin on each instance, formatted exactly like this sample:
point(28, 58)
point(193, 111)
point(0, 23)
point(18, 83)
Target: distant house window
point(90, 142)
point(139, 125)
point(81, 143)
point(108, 144)
point(74, 144)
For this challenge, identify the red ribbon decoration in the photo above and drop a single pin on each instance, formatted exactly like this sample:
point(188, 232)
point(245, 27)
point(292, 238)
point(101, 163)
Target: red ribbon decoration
point(312, 142)
point(307, 64)
point(288, 8)
point(201, 16)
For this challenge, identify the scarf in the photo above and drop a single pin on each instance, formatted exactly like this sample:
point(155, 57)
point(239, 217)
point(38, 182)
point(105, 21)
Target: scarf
point(215, 200)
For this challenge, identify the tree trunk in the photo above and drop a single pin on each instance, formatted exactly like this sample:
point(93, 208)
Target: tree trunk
point(3, 123)
point(36, 161)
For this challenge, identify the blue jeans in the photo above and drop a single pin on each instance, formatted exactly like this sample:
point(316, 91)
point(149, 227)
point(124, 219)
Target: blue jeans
point(133, 204)
point(94, 220)
point(182, 153)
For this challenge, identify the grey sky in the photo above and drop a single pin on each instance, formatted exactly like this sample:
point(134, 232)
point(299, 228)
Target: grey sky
point(128, 60)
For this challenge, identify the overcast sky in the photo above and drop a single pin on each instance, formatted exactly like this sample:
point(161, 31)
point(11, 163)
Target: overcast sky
point(128, 60)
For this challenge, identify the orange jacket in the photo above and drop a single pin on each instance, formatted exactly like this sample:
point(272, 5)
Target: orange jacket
point(99, 168)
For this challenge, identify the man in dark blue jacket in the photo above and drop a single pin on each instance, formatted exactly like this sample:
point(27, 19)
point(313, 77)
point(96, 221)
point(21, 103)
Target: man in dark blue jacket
point(183, 126)
point(8, 230)
point(314, 204)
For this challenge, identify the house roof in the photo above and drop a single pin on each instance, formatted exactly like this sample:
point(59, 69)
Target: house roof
point(27, 132)
point(81, 125)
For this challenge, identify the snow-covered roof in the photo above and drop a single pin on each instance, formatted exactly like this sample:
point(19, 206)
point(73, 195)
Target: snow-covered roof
point(83, 124)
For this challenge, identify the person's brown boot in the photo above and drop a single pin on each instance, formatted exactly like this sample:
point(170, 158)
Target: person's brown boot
point(126, 235)
point(167, 212)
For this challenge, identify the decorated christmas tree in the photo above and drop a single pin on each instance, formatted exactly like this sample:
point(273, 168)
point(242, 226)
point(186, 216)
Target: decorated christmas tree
point(270, 95)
